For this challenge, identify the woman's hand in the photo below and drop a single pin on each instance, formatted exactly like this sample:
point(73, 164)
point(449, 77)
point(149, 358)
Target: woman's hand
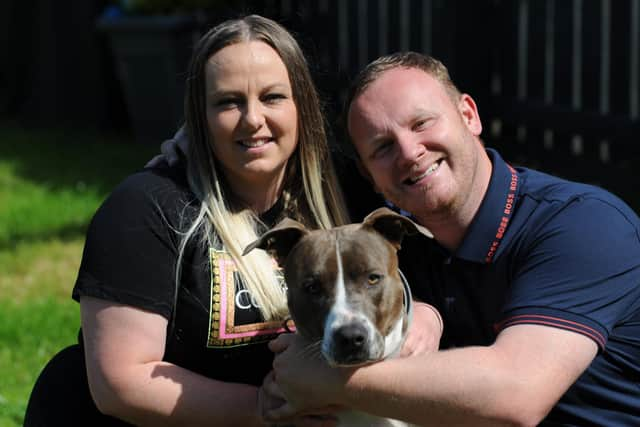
point(425, 330)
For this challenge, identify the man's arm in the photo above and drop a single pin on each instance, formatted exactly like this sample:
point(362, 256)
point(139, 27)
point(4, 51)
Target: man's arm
point(515, 381)
point(425, 330)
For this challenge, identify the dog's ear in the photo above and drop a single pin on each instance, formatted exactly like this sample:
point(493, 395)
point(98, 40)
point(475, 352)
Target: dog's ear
point(279, 241)
point(393, 226)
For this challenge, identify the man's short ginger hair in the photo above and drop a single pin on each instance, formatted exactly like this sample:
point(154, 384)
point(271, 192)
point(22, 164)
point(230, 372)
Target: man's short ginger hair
point(375, 69)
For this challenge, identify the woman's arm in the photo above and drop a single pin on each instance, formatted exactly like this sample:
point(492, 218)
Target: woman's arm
point(124, 347)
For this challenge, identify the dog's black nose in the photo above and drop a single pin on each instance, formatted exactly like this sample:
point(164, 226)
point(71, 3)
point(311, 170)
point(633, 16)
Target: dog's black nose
point(350, 338)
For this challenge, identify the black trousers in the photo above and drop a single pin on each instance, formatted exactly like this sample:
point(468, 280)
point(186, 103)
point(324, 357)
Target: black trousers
point(60, 396)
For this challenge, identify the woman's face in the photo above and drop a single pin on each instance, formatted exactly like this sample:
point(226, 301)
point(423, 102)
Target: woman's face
point(251, 116)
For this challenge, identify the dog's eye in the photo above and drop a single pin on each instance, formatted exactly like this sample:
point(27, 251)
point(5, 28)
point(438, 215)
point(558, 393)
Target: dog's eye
point(374, 279)
point(311, 286)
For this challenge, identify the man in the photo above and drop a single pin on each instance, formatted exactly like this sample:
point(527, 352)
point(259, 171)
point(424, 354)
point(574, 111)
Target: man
point(537, 278)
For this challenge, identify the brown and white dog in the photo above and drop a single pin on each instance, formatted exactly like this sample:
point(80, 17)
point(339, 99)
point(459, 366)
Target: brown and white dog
point(345, 291)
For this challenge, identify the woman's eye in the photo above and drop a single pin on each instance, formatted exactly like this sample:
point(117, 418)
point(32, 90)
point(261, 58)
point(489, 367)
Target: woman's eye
point(374, 279)
point(274, 97)
point(227, 102)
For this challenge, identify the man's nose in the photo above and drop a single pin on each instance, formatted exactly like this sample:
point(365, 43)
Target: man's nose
point(409, 150)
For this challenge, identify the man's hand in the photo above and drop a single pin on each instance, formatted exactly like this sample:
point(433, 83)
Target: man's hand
point(269, 396)
point(302, 388)
point(425, 331)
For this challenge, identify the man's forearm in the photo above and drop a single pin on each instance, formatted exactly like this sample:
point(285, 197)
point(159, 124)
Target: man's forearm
point(516, 381)
point(455, 387)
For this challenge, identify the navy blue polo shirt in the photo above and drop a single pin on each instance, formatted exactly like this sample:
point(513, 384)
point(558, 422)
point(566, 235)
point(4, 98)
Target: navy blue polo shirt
point(546, 251)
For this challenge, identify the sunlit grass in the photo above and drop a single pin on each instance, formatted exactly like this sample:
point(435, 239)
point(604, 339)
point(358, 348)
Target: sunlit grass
point(51, 183)
point(30, 333)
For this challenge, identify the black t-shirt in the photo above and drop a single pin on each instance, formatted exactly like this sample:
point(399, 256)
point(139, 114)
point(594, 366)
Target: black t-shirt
point(130, 258)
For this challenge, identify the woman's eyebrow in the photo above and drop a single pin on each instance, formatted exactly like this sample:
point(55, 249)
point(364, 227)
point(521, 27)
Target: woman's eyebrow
point(216, 93)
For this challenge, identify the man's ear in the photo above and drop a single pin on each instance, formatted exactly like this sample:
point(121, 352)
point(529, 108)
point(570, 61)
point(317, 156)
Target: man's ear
point(393, 226)
point(470, 114)
point(279, 241)
point(365, 173)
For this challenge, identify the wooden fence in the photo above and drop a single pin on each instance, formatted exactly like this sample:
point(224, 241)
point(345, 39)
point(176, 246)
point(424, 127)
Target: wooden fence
point(565, 88)
point(557, 81)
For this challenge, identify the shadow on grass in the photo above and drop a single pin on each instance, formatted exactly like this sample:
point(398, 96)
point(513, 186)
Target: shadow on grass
point(70, 159)
point(66, 172)
point(65, 233)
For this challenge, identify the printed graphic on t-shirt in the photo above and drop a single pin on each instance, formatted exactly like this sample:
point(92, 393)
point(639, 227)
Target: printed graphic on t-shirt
point(234, 318)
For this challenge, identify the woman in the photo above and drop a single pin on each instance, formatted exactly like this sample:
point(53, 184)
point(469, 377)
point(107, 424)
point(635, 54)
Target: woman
point(175, 321)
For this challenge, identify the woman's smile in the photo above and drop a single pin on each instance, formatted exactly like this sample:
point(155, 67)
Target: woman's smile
point(251, 115)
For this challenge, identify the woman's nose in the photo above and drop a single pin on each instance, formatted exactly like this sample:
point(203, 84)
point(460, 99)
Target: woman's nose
point(253, 116)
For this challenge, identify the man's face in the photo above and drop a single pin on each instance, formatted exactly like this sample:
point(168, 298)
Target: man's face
point(418, 145)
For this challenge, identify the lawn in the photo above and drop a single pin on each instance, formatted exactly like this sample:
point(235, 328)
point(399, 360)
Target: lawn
point(51, 182)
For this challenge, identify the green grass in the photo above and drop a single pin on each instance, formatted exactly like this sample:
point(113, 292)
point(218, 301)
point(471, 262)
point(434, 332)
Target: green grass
point(51, 183)
point(30, 334)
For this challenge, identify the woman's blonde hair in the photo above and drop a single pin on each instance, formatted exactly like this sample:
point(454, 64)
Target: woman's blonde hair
point(311, 193)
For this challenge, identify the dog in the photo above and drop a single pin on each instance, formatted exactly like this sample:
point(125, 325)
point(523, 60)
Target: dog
point(345, 291)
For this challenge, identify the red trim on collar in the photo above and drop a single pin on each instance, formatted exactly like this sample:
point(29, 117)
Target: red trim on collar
point(506, 216)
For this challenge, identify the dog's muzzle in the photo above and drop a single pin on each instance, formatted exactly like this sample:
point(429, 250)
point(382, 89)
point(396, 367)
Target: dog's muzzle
point(356, 341)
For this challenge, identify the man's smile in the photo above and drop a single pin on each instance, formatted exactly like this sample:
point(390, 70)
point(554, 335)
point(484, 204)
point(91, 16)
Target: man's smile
point(421, 175)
